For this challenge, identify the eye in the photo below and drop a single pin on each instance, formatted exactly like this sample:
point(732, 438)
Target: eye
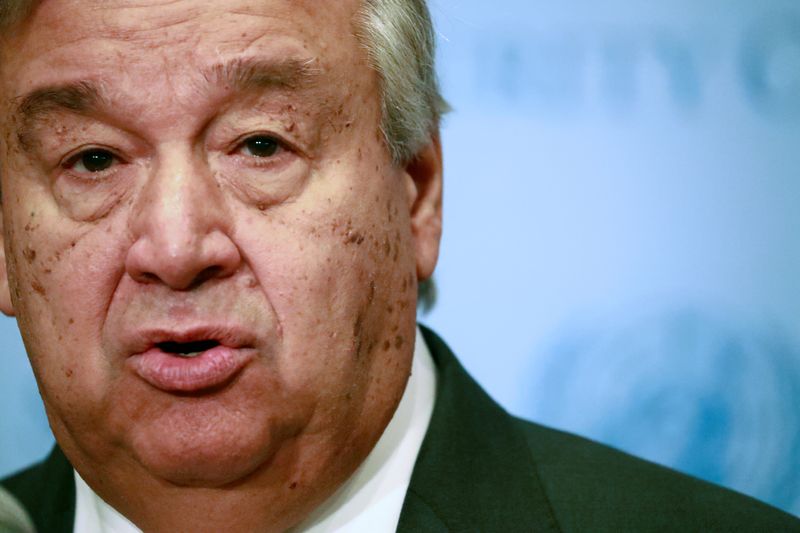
point(260, 146)
point(92, 161)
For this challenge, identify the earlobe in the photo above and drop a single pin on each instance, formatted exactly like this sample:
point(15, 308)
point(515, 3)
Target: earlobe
point(5, 291)
point(425, 196)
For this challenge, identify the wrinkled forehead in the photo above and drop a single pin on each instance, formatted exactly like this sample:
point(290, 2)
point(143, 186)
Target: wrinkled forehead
point(90, 38)
point(119, 15)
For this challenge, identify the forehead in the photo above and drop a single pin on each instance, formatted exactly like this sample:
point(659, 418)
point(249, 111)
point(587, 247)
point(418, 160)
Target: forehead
point(86, 39)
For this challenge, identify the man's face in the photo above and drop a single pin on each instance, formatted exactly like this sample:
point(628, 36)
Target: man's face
point(192, 177)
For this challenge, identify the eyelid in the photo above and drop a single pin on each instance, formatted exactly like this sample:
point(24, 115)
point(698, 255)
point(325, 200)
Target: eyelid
point(279, 146)
point(284, 145)
point(240, 141)
point(70, 159)
point(68, 163)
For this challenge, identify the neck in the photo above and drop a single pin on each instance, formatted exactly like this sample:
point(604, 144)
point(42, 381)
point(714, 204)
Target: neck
point(264, 501)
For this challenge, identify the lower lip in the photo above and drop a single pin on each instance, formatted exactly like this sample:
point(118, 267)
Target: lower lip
point(172, 373)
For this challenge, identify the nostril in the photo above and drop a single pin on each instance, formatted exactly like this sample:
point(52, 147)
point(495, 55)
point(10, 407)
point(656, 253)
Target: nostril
point(208, 273)
point(148, 277)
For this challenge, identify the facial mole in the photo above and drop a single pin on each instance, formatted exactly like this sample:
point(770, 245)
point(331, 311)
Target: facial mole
point(35, 285)
point(357, 325)
point(352, 236)
point(29, 254)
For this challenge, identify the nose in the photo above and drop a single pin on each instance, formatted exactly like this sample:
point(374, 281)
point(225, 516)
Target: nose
point(181, 227)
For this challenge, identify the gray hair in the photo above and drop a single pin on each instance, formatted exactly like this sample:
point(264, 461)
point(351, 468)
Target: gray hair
point(399, 40)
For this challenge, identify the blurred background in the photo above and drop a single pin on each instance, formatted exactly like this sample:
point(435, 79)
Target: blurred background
point(621, 255)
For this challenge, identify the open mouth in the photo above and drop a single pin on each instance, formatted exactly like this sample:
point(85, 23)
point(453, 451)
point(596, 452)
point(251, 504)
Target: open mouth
point(193, 362)
point(187, 349)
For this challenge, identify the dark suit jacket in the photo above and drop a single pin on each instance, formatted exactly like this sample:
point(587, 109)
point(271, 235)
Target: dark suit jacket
point(481, 469)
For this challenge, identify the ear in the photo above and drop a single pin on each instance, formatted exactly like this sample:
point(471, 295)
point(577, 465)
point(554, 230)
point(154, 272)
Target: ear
point(5, 292)
point(424, 181)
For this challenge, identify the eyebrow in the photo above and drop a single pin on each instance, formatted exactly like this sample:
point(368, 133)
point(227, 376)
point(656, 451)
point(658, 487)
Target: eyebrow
point(254, 73)
point(239, 75)
point(78, 97)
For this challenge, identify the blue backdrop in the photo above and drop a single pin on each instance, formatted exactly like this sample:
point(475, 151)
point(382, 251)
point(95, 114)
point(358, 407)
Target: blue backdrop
point(622, 244)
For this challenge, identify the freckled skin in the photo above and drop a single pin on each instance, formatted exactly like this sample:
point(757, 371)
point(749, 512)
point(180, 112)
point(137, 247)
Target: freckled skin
point(186, 228)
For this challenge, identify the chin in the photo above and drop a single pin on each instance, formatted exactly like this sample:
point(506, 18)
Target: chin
point(203, 473)
point(205, 456)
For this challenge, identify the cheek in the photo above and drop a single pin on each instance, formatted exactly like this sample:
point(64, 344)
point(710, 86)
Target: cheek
point(340, 280)
point(62, 276)
point(310, 272)
point(85, 201)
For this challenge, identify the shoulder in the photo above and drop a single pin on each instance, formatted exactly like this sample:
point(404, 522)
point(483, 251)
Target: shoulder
point(47, 492)
point(482, 469)
point(588, 484)
point(29, 482)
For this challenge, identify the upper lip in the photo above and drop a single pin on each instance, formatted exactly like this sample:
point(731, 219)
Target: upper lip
point(144, 339)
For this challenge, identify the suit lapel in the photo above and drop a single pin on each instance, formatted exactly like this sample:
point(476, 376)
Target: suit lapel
point(47, 491)
point(474, 471)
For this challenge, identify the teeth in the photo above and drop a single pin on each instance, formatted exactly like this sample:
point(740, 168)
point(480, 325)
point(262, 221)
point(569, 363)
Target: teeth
point(188, 355)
